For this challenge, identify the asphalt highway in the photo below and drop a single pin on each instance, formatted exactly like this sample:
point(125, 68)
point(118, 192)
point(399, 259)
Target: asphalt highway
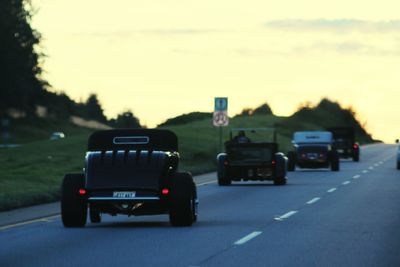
point(320, 218)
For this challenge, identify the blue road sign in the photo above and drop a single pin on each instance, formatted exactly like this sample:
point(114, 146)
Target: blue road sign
point(221, 104)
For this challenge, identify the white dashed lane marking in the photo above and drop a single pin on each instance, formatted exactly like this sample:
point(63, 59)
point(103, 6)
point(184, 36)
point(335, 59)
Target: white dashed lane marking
point(286, 215)
point(312, 201)
point(346, 183)
point(356, 176)
point(331, 190)
point(247, 238)
point(365, 171)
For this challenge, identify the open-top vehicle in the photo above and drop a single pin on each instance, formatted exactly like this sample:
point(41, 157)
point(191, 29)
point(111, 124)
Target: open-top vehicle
point(344, 142)
point(313, 150)
point(131, 172)
point(251, 161)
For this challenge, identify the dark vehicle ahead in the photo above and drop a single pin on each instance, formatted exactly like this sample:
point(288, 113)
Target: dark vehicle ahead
point(251, 161)
point(131, 172)
point(344, 142)
point(313, 150)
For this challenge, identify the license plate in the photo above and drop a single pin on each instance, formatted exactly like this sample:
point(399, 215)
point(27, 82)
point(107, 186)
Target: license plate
point(312, 156)
point(124, 194)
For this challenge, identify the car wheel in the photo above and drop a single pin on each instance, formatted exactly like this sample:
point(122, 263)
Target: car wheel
point(356, 157)
point(73, 205)
point(335, 161)
point(280, 181)
point(222, 172)
point(94, 215)
point(182, 200)
point(291, 161)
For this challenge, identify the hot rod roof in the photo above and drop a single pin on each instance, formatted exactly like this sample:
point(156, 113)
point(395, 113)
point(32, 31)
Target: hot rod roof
point(312, 137)
point(133, 139)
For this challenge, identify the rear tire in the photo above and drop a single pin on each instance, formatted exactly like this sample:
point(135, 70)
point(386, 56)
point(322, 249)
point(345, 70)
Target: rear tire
point(280, 181)
point(335, 161)
point(94, 215)
point(291, 161)
point(182, 201)
point(73, 205)
point(222, 172)
point(356, 157)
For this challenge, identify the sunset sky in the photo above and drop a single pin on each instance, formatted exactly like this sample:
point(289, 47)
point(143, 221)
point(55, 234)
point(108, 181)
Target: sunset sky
point(162, 58)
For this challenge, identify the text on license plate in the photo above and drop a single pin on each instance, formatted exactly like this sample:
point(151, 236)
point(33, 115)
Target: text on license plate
point(124, 194)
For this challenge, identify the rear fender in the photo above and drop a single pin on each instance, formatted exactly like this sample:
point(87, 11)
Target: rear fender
point(281, 165)
point(221, 164)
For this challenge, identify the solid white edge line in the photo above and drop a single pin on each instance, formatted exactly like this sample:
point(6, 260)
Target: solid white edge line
point(331, 190)
point(356, 176)
point(346, 182)
point(286, 215)
point(312, 201)
point(247, 238)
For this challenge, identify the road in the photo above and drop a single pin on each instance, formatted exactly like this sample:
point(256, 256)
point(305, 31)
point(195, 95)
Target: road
point(321, 218)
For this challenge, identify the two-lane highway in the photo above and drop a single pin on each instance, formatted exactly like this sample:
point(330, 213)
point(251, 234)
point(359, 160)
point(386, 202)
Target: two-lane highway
point(321, 218)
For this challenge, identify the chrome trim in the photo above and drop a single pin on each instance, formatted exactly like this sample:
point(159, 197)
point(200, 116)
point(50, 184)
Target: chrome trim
point(130, 198)
point(116, 139)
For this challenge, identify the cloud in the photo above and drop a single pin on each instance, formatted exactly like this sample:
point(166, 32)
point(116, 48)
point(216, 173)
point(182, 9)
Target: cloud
point(335, 25)
point(163, 32)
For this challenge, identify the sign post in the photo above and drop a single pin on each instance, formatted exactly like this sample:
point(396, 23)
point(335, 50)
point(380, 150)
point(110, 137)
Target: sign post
point(220, 116)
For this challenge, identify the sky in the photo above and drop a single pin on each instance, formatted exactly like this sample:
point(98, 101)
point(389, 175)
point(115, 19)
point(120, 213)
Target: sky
point(162, 58)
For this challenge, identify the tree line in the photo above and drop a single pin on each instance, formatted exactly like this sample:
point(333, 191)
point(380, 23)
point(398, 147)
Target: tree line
point(22, 87)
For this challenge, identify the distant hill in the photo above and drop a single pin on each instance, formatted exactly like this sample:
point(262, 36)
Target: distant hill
point(187, 118)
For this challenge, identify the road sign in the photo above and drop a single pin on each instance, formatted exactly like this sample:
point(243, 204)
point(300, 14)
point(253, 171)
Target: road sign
point(221, 104)
point(220, 118)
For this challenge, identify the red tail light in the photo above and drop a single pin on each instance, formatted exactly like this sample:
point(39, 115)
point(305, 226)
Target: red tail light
point(165, 191)
point(82, 192)
point(273, 162)
point(355, 146)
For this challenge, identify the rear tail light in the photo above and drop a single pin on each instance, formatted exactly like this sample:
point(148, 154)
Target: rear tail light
point(165, 191)
point(273, 162)
point(82, 192)
point(355, 146)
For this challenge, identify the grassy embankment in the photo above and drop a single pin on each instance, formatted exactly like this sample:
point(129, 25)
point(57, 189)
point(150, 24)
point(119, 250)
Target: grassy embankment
point(32, 174)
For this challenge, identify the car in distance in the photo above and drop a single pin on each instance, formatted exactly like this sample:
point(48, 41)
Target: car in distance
point(313, 150)
point(344, 142)
point(251, 161)
point(131, 172)
point(57, 135)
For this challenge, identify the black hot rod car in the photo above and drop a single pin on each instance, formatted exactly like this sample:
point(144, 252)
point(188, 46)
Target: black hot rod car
point(131, 172)
point(344, 142)
point(251, 160)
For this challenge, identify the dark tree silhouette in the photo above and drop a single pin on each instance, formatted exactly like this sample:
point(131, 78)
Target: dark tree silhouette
point(20, 82)
point(126, 120)
point(94, 109)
